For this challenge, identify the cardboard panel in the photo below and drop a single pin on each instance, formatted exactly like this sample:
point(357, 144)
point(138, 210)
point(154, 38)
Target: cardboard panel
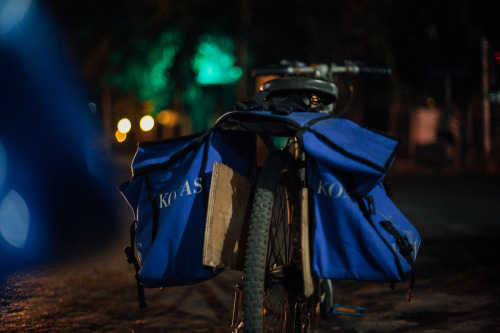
point(227, 219)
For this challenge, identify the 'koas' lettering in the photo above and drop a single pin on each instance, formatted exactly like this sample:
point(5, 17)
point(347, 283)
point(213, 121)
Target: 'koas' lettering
point(197, 184)
point(333, 190)
point(186, 188)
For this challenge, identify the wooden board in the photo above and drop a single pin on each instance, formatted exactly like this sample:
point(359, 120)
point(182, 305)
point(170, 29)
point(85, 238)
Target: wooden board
point(227, 222)
point(304, 242)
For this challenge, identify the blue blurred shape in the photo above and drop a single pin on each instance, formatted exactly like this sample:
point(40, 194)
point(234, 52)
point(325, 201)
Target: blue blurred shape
point(3, 166)
point(12, 12)
point(14, 219)
point(51, 204)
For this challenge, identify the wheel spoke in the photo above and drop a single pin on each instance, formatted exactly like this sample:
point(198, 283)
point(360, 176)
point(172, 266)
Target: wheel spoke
point(277, 313)
point(279, 230)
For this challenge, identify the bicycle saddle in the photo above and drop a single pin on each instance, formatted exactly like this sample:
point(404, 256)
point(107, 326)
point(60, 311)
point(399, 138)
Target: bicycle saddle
point(302, 83)
point(319, 95)
point(289, 94)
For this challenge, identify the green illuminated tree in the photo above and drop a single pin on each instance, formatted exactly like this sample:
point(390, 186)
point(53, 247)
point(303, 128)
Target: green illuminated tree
point(214, 61)
point(215, 77)
point(144, 69)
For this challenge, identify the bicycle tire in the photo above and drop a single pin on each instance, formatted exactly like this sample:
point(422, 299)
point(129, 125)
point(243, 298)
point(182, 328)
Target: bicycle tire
point(272, 270)
point(326, 298)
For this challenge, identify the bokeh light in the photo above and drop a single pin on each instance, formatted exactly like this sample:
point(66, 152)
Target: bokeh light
point(120, 136)
point(124, 125)
point(14, 219)
point(168, 118)
point(147, 123)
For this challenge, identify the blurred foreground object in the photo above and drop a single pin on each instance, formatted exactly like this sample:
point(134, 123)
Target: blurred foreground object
point(53, 176)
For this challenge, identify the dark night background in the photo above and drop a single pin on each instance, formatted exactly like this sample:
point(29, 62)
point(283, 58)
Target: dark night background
point(423, 42)
point(414, 38)
point(70, 70)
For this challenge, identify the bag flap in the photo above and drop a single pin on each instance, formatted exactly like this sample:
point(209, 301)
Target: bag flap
point(344, 146)
point(152, 154)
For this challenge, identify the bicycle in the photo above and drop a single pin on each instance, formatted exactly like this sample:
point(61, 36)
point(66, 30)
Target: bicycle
point(285, 274)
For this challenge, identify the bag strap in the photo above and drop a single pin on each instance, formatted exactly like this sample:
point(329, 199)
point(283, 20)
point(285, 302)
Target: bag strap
point(405, 248)
point(154, 207)
point(256, 103)
point(132, 259)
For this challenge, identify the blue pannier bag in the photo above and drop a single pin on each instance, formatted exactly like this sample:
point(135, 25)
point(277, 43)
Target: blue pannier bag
point(168, 194)
point(360, 234)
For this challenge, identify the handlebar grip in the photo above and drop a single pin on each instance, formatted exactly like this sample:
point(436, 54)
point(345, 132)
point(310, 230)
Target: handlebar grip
point(375, 70)
point(290, 70)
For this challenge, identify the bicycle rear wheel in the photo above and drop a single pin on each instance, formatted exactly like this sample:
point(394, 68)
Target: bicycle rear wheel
point(272, 278)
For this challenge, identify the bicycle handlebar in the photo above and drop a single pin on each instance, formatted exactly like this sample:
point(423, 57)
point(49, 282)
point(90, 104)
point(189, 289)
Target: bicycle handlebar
point(321, 70)
point(290, 70)
point(361, 70)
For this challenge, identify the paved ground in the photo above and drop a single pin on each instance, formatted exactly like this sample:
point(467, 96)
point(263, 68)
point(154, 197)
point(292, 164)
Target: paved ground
point(458, 274)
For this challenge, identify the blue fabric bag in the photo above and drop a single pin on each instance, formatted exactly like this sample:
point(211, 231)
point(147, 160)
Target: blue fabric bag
point(168, 195)
point(360, 234)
